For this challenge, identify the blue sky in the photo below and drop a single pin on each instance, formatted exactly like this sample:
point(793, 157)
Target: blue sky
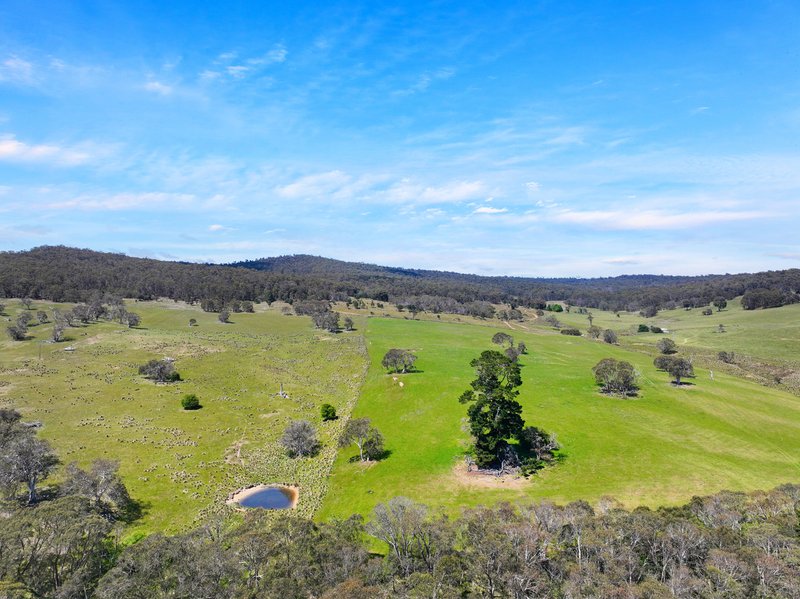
point(532, 138)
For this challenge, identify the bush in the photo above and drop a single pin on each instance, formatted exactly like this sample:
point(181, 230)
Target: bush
point(707, 312)
point(190, 401)
point(655, 329)
point(667, 346)
point(328, 412)
point(727, 357)
point(643, 328)
point(573, 332)
point(610, 336)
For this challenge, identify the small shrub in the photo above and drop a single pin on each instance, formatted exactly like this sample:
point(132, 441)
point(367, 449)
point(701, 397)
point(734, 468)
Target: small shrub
point(727, 357)
point(573, 332)
point(328, 412)
point(190, 401)
point(707, 312)
point(655, 329)
point(643, 328)
point(667, 346)
point(192, 322)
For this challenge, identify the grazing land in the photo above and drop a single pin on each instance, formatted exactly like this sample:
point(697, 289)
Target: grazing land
point(661, 448)
point(181, 464)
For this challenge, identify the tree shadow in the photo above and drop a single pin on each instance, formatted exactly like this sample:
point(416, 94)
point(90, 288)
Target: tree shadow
point(382, 456)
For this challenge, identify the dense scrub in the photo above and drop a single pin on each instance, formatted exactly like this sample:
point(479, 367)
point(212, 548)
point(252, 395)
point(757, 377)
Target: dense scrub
point(730, 545)
point(68, 274)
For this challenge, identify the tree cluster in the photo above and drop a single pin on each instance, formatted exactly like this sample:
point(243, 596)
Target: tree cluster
point(616, 377)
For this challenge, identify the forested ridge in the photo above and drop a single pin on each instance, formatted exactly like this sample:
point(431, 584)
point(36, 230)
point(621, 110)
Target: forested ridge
point(60, 273)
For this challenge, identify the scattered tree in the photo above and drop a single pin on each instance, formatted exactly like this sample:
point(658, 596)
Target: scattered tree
point(707, 312)
point(41, 316)
point(348, 323)
point(224, 316)
point(667, 346)
point(522, 348)
point(610, 337)
point(494, 414)
point(162, 371)
point(2, 308)
point(720, 303)
point(594, 332)
point(26, 302)
point(134, 320)
point(192, 322)
point(398, 360)
point(615, 377)
point(677, 367)
point(367, 438)
point(190, 401)
point(300, 439)
point(17, 332)
point(539, 447)
point(328, 412)
point(58, 332)
point(503, 339)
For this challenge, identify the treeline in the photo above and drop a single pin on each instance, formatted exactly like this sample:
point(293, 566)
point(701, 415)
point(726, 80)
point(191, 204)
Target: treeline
point(74, 275)
point(729, 545)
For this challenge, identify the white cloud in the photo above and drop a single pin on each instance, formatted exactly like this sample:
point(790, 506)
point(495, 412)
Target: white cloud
point(276, 55)
point(14, 150)
point(533, 186)
point(237, 71)
point(217, 228)
point(158, 88)
point(490, 210)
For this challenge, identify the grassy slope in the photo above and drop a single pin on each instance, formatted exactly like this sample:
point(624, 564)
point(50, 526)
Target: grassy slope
point(93, 404)
point(772, 335)
point(662, 448)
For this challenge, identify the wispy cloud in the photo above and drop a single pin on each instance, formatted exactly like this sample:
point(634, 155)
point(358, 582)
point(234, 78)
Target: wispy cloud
point(16, 70)
point(315, 185)
point(489, 210)
point(13, 150)
point(127, 201)
point(425, 80)
point(634, 220)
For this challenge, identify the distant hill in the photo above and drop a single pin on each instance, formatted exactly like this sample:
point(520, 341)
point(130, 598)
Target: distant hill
point(61, 273)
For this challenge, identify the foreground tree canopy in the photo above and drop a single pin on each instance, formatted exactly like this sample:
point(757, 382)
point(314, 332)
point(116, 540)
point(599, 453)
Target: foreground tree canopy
point(725, 546)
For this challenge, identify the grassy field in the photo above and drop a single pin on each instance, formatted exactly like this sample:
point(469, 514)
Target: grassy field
point(179, 464)
point(662, 448)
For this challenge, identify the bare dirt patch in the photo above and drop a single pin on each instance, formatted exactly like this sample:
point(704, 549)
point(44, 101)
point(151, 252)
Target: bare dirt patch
point(480, 480)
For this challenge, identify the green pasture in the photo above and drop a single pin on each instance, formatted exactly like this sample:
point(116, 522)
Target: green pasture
point(179, 464)
point(661, 448)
